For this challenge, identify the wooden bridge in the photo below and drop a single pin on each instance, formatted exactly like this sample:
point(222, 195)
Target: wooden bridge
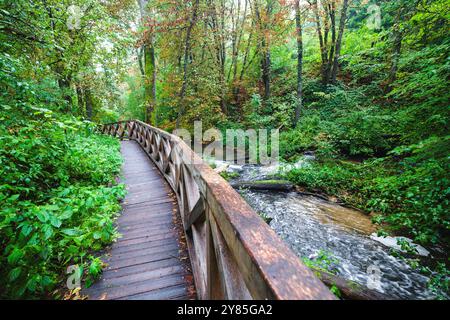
point(183, 226)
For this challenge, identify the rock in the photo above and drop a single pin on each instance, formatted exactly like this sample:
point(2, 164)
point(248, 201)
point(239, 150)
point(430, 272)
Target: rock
point(391, 242)
point(313, 256)
point(221, 167)
point(234, 168)
point(309, 155)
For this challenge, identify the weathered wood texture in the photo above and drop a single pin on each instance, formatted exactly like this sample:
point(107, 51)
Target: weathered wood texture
point(149, 260)
point(234, 254)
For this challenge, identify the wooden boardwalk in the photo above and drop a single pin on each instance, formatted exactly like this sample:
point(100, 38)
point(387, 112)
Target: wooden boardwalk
point(150, 260)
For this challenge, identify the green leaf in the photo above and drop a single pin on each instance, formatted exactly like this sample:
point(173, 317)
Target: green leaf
point(67, 214)
point(55, 221)
point(70, 232)
point(14, 273)
point(42, 216)
point(97, 235)
point(48, 231)
point(26, 230)
point(95, 267)
point(15, 256)
point(14, 197)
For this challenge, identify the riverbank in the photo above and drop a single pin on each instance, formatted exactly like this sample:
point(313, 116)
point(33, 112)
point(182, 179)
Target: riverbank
point(322, 231)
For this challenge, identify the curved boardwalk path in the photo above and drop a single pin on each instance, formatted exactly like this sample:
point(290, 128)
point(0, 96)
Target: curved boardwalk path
point(150, 260)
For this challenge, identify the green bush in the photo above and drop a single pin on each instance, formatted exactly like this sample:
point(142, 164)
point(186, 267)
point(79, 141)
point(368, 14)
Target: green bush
point(59, 201)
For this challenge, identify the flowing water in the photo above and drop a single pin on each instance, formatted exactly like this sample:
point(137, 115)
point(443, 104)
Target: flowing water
point(310, 225)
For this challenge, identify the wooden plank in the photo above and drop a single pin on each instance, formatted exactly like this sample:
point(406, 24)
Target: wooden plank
point(138, 288)
point(170, 293)
point(149, 238)
point(144, 267)
point(142, 246)
point(140, 220)
point(198, 212)
point(145, 262)
point(137, 227)
point(139, 277)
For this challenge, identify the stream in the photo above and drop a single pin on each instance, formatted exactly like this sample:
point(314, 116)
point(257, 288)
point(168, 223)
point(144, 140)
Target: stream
point(310, 225)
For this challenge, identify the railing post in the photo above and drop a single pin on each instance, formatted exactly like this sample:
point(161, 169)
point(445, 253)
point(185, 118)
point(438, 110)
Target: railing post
point(214, 288)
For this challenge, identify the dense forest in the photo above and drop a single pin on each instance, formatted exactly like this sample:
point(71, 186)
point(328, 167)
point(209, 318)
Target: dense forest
point(363, 84)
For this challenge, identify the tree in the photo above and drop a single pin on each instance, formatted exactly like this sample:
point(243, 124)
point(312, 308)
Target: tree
point(337, 51)
point(187, 52)
point(299, 34)
point(147, 53)
point(262, 16)
point(403, 10)
point(325, 20)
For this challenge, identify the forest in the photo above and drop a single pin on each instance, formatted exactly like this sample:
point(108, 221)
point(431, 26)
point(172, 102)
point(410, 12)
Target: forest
point(361, 84)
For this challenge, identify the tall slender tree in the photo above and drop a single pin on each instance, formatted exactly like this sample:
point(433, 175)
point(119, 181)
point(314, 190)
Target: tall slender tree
point(187, 52)
point(299, 36)
point(337, 51)
point(147, 53)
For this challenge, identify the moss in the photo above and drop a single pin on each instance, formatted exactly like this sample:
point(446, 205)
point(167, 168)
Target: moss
point(229, 175)
point(270, 182)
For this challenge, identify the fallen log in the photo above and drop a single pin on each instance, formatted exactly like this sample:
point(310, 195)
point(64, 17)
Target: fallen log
point(269, 185)
point(350, 290)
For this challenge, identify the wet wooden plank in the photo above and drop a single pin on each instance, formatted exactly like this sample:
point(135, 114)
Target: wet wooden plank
point(146, 262)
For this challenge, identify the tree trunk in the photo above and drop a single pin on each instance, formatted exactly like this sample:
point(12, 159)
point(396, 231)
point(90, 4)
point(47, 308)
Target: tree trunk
point(396, 50)
point(80, 99)
point(187, 47)
point(298, 24)
point(140, 55)
point(89, 104)
point(267, 185)
point(264, 48)
point(332, 14)
point(65, 86)
point(322, 44)
point(150, 79)
point(339, 41)
point(149, 68)
point(266, 67)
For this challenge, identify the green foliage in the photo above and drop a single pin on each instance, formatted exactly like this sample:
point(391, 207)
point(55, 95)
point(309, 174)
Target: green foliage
point(335, 290)
point(229, 175)
point(265, 217)
point(41, 240)
point(384, 147)
point(57, 188)
point(440, 280)
point(324, 262)
point(349, 129)
point(57, 207)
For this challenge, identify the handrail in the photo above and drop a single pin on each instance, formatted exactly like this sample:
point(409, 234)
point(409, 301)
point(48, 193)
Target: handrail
point(233, 252)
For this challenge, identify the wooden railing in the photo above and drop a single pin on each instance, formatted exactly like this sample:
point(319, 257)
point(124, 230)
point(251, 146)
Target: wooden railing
point(233, 252)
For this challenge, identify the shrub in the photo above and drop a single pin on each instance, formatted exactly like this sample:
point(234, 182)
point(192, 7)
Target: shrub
point(59, 201)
